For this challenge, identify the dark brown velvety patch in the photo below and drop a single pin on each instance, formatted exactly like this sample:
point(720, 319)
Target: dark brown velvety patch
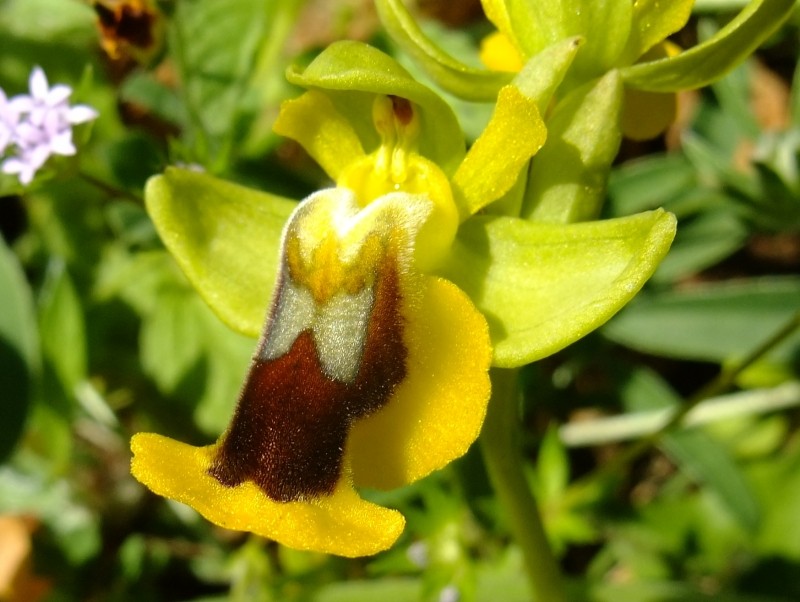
point(290, 427)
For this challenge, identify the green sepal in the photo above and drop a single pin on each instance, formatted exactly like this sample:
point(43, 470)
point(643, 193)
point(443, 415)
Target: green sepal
point(568, 176)
point(541, 76)
point(543, 286)
point(713, 58)
point(451, 74)
point(352, 73)
point(226, 239)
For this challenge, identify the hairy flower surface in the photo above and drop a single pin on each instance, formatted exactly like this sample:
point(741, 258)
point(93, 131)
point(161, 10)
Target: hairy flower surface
point(38, 125)
point(392, 299)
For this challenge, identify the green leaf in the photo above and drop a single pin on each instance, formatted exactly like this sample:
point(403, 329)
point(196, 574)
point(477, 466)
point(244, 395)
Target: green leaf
point(215, 49)
point(568, 176)
point(778, 483)
point(544, 286)
point(702, 458)
point(701, 243)
point(226, 239)
point(189, 353)
point(713, 58)
point(63, 329)
point(451, 74)
point(19, 352)
point(352, 73)
point(710, 322)
point(170, 339)
point(649, 182)
point(552, 468)
point(48, 20)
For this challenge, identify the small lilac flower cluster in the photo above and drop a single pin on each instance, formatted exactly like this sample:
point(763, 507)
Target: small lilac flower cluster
point(37, 125)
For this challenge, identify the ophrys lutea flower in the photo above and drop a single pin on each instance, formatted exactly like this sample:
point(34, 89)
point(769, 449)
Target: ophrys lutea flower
point(391, 301)
point(628, 36)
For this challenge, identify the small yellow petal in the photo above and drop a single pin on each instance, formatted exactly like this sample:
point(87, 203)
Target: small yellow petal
point(493, 164)
point(321, 130)
point(499, 53)
point(437, 412)
point(341, 523)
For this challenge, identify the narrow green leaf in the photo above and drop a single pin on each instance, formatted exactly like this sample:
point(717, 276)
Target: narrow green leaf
point(217, 61)
point(711, 322)
point(552, 468)
point(702, 242)
point(19, 353)
point(699, 455)
point(710, 60)
point(568, 176)
point(649, 182)
point(352, 73)
point(63, 328)
point(544, 286)
point(226, 239)
point(451, 74)
point(191, 355)
point(170, 339)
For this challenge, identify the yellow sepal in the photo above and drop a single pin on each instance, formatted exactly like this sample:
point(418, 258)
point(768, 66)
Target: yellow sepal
point(342, 523)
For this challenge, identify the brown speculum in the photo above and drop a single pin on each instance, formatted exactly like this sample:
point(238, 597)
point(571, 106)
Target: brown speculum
point(290, 428)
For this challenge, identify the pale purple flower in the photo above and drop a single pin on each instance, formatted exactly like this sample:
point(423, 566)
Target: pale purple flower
point(39, 125)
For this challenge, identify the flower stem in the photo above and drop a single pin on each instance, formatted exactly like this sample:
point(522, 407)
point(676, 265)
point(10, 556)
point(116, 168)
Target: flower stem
point(499, 444)
point(111, 190)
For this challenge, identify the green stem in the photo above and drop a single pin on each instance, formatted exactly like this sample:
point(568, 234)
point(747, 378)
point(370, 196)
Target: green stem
point(111, 190)
point(499, 444)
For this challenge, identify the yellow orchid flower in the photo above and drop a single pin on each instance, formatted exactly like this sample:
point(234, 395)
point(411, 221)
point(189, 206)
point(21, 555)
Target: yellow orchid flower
point(625, 35)
point(372, 367)
point(362, 360)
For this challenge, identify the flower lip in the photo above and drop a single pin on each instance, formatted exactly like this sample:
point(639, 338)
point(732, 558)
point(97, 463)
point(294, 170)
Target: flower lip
point(290, 428)
point(402, 433)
